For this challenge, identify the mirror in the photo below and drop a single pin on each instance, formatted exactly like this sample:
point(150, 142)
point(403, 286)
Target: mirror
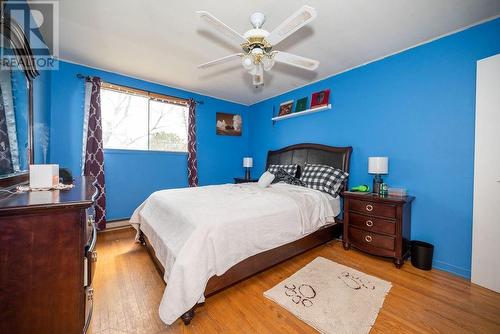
point(14, 117)
point(17, 71)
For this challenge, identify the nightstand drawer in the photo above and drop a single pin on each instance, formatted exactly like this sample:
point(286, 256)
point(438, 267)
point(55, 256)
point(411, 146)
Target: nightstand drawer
point(372, 208)
point(372, 224)
point(365, 238)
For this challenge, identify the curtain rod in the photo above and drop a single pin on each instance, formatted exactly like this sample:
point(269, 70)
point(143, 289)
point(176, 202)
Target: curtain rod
point(81, 76)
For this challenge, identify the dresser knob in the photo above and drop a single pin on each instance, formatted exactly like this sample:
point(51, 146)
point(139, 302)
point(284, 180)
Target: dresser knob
point(93, 256)
point(369, 207)
point(369, 223)
point(368, 238)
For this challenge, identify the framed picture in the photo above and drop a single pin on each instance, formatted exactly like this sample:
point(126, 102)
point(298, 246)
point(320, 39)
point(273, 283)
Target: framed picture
point(228, 124)
point(320, 99)
point(301, 104)
point(286, 108)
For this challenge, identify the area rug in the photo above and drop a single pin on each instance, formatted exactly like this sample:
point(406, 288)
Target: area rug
point(331, 297)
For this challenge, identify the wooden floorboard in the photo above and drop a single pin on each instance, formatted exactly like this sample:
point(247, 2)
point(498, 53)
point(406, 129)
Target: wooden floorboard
point(129, 290)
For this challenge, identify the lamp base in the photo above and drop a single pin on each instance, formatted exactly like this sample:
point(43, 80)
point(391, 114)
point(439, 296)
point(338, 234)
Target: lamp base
point(377, 182)
point(247, 173)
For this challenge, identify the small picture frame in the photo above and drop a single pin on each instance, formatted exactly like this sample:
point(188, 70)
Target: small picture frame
point(320, 99)
point(286, 108)
point(301, 104)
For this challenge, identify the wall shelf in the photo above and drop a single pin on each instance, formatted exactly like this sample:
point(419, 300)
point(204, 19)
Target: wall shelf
point(301, 113)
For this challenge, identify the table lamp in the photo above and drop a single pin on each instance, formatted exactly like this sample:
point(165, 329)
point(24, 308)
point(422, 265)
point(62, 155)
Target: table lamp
point(378, 166)
point(247, 163)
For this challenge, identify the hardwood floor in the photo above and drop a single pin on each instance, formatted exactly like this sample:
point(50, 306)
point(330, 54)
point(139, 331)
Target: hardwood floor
point(129, 289)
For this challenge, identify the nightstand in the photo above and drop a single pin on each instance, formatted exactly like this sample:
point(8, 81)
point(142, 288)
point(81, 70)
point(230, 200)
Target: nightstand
point(379, 225)
point(243, 180)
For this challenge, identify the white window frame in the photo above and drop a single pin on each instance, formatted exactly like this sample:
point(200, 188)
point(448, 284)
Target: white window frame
point(151, 97)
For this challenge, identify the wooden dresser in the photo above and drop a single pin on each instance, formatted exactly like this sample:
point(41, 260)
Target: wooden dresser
point(378, 225)
point(47, 258)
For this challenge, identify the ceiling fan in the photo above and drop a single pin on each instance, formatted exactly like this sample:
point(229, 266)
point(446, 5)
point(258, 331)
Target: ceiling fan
point(257, 44)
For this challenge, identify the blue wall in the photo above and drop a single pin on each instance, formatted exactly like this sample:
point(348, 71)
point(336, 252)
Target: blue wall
point(131, 176)
point(417, 108)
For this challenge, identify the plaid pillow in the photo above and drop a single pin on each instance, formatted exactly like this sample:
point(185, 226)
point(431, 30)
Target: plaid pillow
point(325, 178)
point(290, 169)
point(282, 176)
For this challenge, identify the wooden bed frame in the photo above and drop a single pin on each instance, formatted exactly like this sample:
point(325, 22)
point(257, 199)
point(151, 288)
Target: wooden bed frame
point(338, 157)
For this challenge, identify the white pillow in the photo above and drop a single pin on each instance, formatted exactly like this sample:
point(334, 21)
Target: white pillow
point(266, 179)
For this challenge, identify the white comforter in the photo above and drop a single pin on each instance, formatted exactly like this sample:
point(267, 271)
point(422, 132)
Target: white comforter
point(201, 232)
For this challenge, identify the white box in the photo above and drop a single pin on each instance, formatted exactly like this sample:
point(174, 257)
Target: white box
point(44, 176)
point(401, 192)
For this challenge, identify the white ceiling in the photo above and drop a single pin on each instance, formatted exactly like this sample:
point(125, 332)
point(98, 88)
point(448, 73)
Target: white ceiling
point(163, 41)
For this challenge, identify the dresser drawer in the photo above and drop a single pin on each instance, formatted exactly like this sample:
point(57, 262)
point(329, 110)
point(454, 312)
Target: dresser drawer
point(372, 224)
point(372, 208)
point(364, 238)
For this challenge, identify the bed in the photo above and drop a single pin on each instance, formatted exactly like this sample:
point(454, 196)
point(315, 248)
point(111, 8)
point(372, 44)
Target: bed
point(205, 239)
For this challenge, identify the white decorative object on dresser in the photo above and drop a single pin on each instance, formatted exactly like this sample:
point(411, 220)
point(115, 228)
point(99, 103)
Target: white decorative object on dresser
point(44, 176)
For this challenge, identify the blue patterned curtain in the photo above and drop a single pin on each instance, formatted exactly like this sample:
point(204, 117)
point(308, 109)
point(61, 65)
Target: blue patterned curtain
point(6, 166)
point(93, 150)
point(9, 152)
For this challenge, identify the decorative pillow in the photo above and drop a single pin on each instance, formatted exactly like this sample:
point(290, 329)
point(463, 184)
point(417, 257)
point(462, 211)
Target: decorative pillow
point(290, 169)
point(324, 178)
point(282, 176)
point(266, 179)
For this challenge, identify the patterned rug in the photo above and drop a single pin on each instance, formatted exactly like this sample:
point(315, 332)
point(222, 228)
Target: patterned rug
point(331, 297)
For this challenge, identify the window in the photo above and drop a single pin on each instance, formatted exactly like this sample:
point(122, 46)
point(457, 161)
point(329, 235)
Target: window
point(139, 120)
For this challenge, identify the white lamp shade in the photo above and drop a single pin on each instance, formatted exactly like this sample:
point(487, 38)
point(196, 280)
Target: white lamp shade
point(378, 165)
point(248, 162)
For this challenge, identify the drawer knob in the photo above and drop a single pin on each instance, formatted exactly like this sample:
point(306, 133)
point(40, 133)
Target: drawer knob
point(369, 223)
point(368, 238)
point(93, 256)
point(90, 294)
point(369, 207)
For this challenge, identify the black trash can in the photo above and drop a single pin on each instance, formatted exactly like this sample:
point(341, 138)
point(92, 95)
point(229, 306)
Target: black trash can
point(421, 254)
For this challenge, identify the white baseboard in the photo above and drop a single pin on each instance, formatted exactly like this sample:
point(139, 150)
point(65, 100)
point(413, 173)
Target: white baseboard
point(117, 224)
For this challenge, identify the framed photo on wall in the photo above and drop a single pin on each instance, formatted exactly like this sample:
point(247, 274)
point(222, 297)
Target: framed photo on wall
point(285, 108)
point(301, 104)
point(228, 124)
point(320, 99)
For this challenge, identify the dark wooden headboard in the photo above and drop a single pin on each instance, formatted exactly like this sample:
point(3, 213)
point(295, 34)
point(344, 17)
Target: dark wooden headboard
point(300, 154)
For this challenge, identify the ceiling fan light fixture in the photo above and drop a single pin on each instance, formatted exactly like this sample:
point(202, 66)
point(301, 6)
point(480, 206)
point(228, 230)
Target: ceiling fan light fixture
point(247, 62)
point(257, 19)
point(257, 51)
point(257, 75)
point(258, 45)
point(267, 62)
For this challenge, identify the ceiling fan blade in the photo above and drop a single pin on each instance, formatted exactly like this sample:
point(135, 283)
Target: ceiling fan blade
point(218, 25)
point(296, 21)
point(294, 60)
point(221, 60)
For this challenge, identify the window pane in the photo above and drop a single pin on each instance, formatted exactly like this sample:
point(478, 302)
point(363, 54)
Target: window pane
point(125, 120)
point(168, 127)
